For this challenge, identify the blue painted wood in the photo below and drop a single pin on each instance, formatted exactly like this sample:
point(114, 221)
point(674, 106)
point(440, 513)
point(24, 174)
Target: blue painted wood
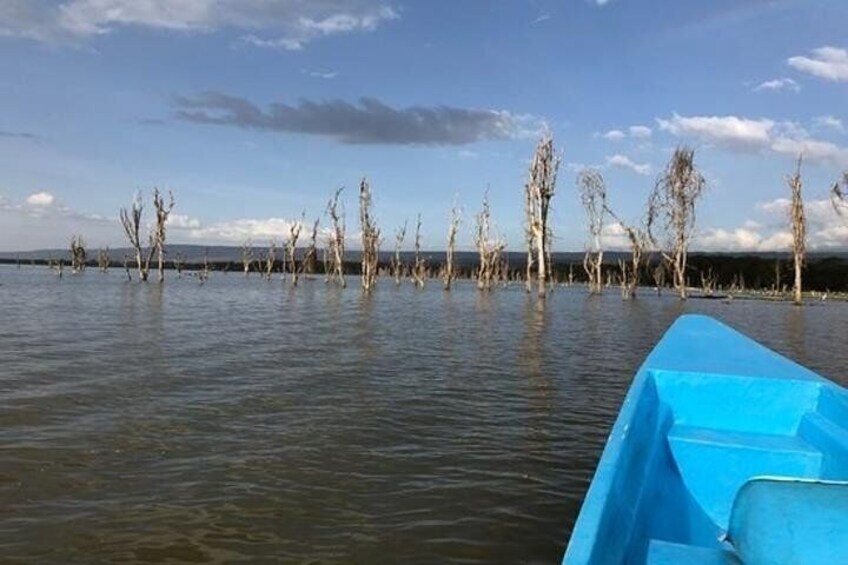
point(708, 411)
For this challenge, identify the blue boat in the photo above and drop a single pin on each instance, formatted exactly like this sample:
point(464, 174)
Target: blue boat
point(724, 452)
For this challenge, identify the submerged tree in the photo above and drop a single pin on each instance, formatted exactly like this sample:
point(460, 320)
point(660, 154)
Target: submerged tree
point(270, 259)
point(246, 256)
point(419, 266)
point(489, 249)
point(178, 261)
point(370, 237)
point(639, 240)
point(310, 258)
point(397, 265)
point(798, 222)
point(449, 271)
point(593, 195)
point(131, 221)
point(104, 259)
point(157, 238)
point(336, 237)
point(538, 192)
point(674, 198)
point(78, 254)
point(291, 248)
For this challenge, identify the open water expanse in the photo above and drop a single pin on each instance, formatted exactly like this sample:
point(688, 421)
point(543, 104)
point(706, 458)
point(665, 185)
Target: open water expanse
point(246, 420)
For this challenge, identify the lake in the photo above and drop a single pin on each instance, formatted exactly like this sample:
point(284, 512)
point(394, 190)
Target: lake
point(246, 420)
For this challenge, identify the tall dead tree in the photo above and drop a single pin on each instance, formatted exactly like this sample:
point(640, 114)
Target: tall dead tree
point(103, 259)
point(449, 271)
point(489, 248)
point(157, 237)
point(247, 256)
point(336, 237)
point(593, 195)
point(78, 254)
point(419, 266)
point(310, 258)
point(538, 192)
point(798, 221)
point(674, 198)
point(370, 237)
point(131, 221)
point(291, 248)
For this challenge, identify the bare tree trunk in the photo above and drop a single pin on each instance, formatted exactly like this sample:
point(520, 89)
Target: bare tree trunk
point(103, 259)
point(593, 195)
point(397, 266)
point(311, 258)
point(419, 269)
point(675, 195)
point(370, 238)
point(799, 229)
point(450, 263)
point(246, 256)
point(291, 248)
point(538, 191)
point(163, 210)
point(336, 239)
point(131, 222)
point(78, 254)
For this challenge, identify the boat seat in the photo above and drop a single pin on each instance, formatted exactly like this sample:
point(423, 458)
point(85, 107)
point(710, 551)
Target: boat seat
point(714, 464)
point(782, 520)
point(668, 553)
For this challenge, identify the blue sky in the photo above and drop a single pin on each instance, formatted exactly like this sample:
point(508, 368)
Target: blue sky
point(253, 111)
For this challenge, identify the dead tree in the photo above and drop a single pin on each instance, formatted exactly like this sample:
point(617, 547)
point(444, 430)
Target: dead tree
point(78, 254)
point(131, 221)
point(103, 259)
point(291, 248)
point(310, 258)
point(247, 256)
point(370, 237)
point(127, 267)
point(593, 195)
point(336, 237)
point(157, 238)
point(270, 259)
point(203, 275)
point(397, 265)
point(539, 190)
point(658, 275)
point(798, 221)
point(489, 249)
point(449, 271)
point(419, 266)
point(640, 242)
point(674, 198)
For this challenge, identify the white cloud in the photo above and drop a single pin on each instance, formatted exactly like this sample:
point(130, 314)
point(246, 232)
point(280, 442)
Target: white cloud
point(183, 221)
point(830, 63)
point(640, 132)
point(625, 162)
point(614, 135)
point(40, 199)
point(720, 130)
point(778, 84)
point(812, 149)
point(237, 231)
point(291, 23)
point(831, 122)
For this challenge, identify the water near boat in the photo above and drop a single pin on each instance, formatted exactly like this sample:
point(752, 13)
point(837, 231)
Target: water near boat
point(247, 420)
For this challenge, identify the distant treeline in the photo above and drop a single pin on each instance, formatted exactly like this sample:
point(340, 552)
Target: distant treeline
point(717, 271)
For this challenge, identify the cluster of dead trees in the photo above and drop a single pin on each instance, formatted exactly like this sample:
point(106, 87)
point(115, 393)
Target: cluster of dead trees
point(658, 242)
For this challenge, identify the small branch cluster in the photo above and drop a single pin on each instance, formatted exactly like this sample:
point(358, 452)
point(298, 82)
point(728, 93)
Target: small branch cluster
point(270, 259)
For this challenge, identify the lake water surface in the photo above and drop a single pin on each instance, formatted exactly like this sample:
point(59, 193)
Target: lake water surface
point(246, 420)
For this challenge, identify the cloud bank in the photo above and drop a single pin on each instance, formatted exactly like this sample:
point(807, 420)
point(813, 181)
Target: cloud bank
point(829, 63)
point(290, 24)
point(367, 122)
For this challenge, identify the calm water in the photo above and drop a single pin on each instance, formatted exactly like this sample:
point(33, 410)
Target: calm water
point(249, 421)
